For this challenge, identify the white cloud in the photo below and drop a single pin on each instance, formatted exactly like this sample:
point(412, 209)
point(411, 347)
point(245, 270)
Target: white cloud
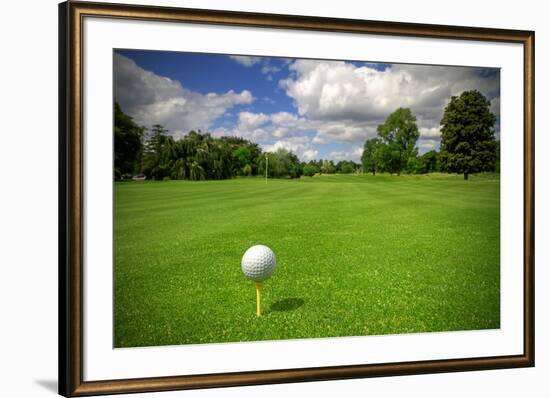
point(277, 125)
point(309, 154)
point(280, 132)
point(428, 145)
point(344, 131)
point(353, 154)
point(336, 103)
point(357, 152)
point(250, 126)
point(286, 124)
point(346, 102)
point(286, 119)
point(281, 144)
point(246, 60)
point(429, 133)
point(270, 69)
point(153, 99)
point(337, 155)
point(335, 90)
point(267, 68)
point(299, 145)
point(249, 120)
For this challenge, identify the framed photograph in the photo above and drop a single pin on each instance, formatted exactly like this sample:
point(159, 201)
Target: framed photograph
point(251, 198)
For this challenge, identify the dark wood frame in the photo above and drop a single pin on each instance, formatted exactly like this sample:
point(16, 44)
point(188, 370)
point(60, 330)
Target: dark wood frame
point(71, 16)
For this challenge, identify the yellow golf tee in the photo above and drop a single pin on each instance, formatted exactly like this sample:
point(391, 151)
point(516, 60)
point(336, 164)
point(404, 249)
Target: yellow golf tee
point(258, 298)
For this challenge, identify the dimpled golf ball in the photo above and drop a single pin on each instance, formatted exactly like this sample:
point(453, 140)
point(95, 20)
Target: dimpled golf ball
point(258, 263)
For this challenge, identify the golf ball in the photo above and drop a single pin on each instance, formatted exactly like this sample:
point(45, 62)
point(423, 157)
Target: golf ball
point(258, 263)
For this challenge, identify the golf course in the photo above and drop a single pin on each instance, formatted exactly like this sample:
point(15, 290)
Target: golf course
point(356, 255)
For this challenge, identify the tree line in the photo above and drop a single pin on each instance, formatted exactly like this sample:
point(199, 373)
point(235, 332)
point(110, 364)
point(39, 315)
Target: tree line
point(468, 143)
point(467, 146)
point(197, 156)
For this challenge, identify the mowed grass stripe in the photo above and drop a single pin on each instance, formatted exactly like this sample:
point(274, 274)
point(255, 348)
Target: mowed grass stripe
point(357, 255)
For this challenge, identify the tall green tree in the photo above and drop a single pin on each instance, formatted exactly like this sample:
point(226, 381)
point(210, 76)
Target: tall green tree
point(467, 138)
point(242, 159)
point(280, 164)
point(399, 133)
point(196, 156)
point(159, 154)
point(328, 167)
point(128, 144)
point(371, 157)
point(244, 153)
point(428, 162)
point(310, 169)
point(390, 158)
point(346, 167)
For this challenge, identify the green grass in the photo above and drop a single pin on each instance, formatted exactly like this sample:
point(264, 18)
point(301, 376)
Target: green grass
point(357, 255)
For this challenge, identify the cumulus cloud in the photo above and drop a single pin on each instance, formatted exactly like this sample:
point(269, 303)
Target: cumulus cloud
point(310, 154)
point(267, 68)
point(338, 105)
point(250, 126)
point(246, 60)
point(353, 154)
point(346, 101)
point(274, 131)
point(332, 90)
point(285, 124)
point(428, 145)
point(286, 119)
point(300, 145)
point(279, 125)
point(299, 134)
point(249, 120)
point(345, 131)
point(153, 99)
point(429, 133)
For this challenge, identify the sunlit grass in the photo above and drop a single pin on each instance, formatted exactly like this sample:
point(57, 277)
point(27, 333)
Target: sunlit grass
point(357, 255)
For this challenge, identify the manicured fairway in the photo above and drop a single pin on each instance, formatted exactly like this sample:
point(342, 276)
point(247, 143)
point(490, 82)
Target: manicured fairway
point(357, 255)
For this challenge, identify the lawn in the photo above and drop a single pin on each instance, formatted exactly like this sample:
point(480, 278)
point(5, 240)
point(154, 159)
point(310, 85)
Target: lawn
point(357, 255)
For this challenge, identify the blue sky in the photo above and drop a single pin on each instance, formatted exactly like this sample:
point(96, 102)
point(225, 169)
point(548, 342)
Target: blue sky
point(316, 108)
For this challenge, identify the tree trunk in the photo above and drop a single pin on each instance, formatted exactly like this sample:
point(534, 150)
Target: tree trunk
point(374, 172)
point(466, 175)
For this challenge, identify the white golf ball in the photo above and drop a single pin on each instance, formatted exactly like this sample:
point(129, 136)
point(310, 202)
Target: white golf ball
point(258, 263)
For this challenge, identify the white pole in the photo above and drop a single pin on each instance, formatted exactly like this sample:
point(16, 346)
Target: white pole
point(266, 164)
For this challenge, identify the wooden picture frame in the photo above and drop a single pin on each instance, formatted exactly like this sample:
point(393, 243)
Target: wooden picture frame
point(71, 238)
